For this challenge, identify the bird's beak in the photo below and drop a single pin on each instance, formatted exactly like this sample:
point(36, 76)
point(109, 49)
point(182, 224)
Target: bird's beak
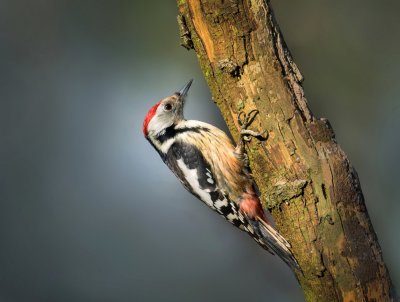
point(183, 92)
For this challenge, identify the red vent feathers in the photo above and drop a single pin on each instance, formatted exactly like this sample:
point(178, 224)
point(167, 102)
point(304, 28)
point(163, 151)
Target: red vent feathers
point(148, 118)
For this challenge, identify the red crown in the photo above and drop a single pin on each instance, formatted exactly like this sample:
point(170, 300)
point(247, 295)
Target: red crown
point(148, 118)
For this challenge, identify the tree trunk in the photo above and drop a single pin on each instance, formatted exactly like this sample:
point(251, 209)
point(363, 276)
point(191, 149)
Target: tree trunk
point(305, 179)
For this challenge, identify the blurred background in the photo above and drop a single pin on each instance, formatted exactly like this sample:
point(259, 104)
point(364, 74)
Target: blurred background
point(88, 211)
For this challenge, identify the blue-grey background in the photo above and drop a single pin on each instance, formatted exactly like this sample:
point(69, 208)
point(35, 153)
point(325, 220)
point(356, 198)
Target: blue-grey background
point(88, 211)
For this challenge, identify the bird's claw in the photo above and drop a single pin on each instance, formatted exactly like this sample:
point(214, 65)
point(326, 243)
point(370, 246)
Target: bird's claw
point(245, 120)
point(247, 134)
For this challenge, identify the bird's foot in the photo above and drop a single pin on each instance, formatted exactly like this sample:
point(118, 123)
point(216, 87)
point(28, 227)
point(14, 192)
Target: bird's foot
point(245, 120)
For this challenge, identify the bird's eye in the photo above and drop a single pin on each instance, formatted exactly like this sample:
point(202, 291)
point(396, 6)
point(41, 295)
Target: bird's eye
point(168, 107)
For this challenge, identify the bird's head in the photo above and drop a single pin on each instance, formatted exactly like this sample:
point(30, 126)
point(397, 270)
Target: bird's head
point(165, 113)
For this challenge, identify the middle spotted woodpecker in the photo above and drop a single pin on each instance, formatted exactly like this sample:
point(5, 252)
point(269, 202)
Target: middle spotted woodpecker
point(209, 166)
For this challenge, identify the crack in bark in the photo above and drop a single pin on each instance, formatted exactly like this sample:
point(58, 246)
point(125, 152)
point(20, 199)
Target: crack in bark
point(186, 38)
point(291, 73)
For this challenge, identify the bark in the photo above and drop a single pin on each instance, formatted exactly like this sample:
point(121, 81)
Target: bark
point(305, 179)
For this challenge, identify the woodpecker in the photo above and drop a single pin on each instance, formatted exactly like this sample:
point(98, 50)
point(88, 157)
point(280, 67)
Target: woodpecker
point(210, 167)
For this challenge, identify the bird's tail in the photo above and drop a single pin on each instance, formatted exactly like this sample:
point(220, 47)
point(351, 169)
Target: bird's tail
point(274, 242)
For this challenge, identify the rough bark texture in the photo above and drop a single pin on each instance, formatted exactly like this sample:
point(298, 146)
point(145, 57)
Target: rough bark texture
point(305, 178)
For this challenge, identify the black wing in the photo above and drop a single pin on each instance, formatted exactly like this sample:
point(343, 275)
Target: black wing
point(195, 173)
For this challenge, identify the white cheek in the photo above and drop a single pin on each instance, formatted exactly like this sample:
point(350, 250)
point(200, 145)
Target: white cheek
point(159, 123)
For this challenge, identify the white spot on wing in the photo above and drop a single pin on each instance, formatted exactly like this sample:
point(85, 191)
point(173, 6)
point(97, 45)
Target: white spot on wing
point(221, 203)
point(210, 178)
point(231, 216)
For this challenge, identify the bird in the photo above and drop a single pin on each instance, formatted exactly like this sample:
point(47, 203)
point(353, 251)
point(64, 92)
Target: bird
point(213, 169)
